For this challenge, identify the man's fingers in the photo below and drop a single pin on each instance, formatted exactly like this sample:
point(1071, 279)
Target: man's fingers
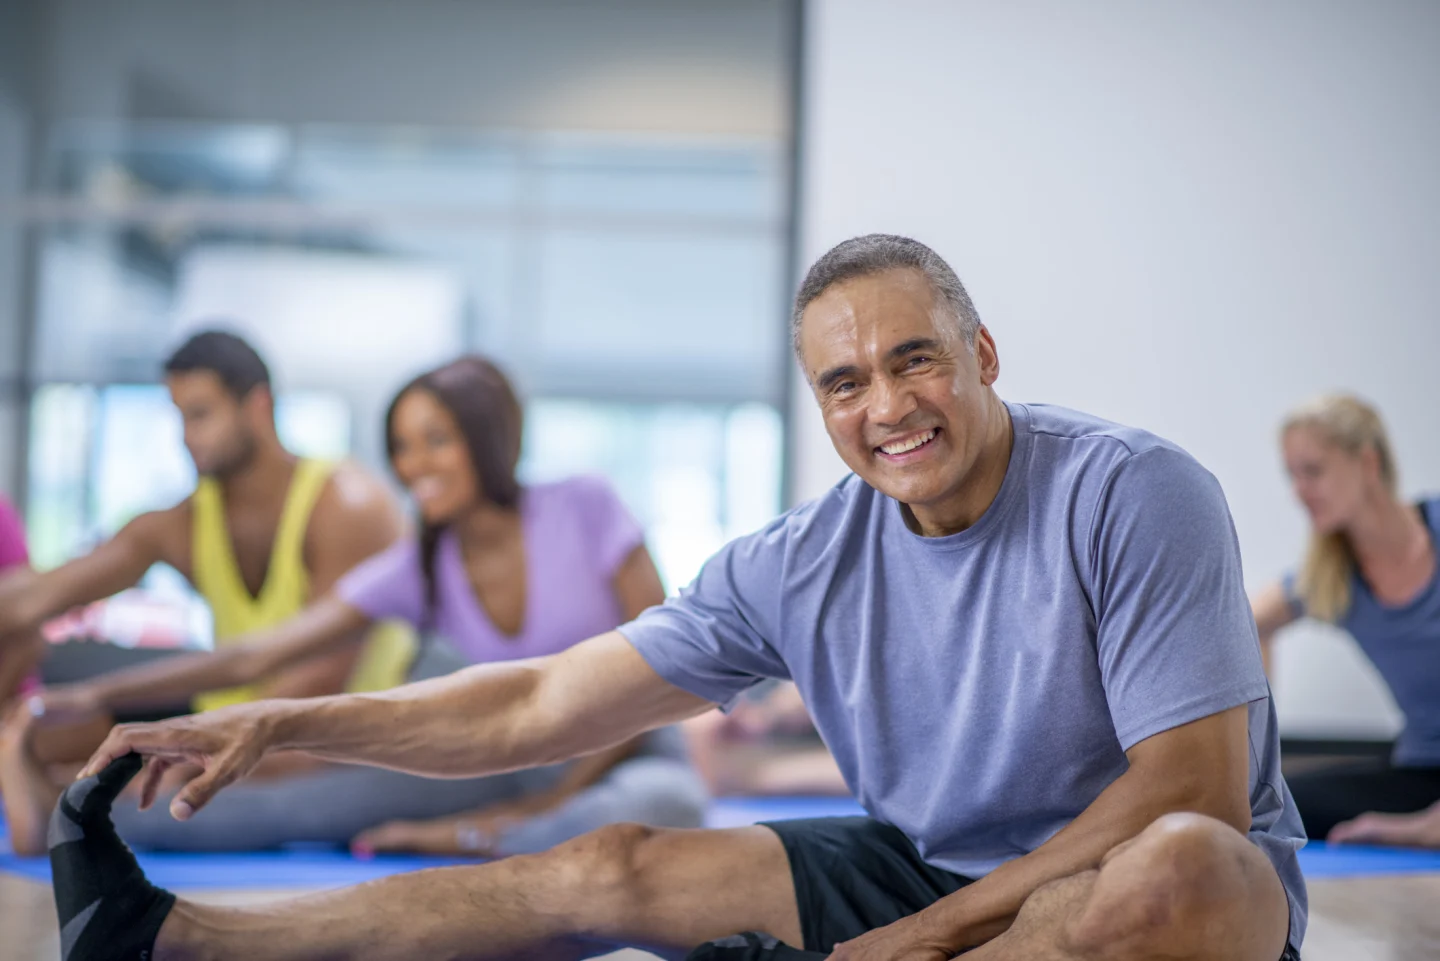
point(114, 747)
point(155, 769)
point(204, 786)
point(150, 740)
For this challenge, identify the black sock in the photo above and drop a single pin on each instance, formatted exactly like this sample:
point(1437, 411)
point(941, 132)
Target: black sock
point(108, 911)
point(751, 946)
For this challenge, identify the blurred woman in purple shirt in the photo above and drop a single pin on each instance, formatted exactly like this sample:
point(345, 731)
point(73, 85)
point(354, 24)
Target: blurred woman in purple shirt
point(501, 572)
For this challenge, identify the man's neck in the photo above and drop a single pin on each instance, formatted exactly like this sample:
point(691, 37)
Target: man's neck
point(981, 485)
point(263, 480)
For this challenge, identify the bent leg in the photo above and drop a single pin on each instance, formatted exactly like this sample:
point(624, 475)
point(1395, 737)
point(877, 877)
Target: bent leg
point(27, 789)
point(1187, 887)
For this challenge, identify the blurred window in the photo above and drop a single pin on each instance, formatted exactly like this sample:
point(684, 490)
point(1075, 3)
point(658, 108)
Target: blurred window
point(632, 285)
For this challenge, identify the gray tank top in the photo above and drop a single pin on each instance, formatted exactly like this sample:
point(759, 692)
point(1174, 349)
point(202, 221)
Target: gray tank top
point(1404, 645)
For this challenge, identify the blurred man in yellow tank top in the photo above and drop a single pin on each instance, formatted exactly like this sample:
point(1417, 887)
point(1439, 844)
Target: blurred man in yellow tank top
point(263, 533)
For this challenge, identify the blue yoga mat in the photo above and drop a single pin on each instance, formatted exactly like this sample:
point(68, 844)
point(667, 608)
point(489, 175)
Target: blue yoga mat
point(309, 866)
point(1320, 860)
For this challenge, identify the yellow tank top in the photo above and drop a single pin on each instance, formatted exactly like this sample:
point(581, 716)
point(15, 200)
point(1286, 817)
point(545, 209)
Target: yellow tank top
point(286, 589)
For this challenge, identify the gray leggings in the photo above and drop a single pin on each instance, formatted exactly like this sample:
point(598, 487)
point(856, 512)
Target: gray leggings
point(657, 786)
point(335, 804)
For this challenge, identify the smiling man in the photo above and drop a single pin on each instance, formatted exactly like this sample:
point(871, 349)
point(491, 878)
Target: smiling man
point(1021, 630)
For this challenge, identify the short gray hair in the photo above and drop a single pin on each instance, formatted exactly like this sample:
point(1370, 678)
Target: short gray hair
point(873, 254)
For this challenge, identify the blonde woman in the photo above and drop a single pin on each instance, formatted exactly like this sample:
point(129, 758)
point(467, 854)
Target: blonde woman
point(1370, 569)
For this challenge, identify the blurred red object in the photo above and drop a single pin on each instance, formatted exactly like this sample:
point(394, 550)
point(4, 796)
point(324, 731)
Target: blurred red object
point(134, 618)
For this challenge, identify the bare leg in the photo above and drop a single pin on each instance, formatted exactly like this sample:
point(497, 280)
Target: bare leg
point(623, 884)
point(26, 787)
point(1188, 887)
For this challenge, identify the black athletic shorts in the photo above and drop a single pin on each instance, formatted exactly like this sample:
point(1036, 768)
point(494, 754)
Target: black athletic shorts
point(851, 875)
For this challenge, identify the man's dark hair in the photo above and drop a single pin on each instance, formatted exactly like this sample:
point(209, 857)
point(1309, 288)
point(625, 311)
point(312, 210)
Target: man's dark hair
point(226, 356)
point(873, 254)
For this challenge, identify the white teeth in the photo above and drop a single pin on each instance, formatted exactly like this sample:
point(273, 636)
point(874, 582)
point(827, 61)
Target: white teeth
point(425, 488)
point(905, 446)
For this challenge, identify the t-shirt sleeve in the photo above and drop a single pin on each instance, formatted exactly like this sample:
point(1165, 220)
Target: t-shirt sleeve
point(1176, 638)
point(12, 537)
point(388, 586)
point(613, 532)
point(718, 637)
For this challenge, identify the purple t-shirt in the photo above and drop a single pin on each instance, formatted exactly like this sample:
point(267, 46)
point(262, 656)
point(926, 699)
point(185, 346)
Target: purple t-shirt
point(12, 537)
point(577, 534)
point(12, 553)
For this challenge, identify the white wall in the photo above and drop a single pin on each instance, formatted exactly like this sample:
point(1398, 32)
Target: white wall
point(1186, 217)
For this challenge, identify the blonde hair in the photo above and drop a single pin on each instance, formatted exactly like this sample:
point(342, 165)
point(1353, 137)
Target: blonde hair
point(1352, 425)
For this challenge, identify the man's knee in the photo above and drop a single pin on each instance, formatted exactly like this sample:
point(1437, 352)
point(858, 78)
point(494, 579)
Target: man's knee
point(1186, 882)
point(605, 872)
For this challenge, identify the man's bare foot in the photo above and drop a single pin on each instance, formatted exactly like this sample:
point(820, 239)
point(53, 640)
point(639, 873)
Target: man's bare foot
point(28, 793)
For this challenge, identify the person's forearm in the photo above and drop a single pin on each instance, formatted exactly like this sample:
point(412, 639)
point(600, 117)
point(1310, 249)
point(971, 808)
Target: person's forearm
point(323, 626)
point(983, 910)
point(478, 721)
point(168, 681)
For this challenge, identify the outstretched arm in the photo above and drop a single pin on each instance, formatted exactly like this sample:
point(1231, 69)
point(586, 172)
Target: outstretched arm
point(482, 720)
point(1272, 611)
point(323, 626)
point(29, 597)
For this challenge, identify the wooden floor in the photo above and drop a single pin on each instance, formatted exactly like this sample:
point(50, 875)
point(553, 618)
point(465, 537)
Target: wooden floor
point(1366, 919)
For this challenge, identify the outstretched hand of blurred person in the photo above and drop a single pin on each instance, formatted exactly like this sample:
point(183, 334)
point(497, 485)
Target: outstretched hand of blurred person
point(1418, 830)
point(66, 704)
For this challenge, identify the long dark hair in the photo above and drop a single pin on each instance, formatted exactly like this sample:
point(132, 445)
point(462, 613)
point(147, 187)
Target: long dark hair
point(488, 413)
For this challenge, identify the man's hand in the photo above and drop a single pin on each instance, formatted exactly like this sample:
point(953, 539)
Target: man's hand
point(905, 940)
point(223, 745)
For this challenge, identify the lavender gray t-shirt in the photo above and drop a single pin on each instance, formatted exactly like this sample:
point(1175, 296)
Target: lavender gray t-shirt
point(979, 690)
point(577, 534)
